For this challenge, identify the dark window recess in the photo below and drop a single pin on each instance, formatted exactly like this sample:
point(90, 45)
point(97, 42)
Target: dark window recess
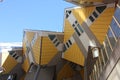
point(70, 42)
point(55, 41)
point(76, 22)
point(51, 37)
point(91, 18)
point(67, 44)
point(73, 25)
point(100, 9)
point(77, 32)
point(69, 12)
point(80, 28)
point(67, 15)
point(11, 52)
point(64, 48)
point(14, 55)
point(95, 14)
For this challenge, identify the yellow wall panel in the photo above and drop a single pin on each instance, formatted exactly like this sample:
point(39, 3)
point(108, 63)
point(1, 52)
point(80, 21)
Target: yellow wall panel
point(25, 65)
point(81, 14)
point(68, 30)
point(65, 72)
point(24, 47)
point(30, 35)
point(36, 49)
point(101, 24)
point(74, 54)
point(48, 50)
point(9, 63)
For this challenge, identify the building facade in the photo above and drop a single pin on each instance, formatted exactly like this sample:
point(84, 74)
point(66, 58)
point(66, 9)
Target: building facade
point(87, 49)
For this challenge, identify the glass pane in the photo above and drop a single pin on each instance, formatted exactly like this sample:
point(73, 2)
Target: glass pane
point(111, 38)
point(107, 46)
point(117, 14)
point(115, 28)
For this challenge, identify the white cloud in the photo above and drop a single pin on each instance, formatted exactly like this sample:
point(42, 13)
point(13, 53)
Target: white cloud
point(8, 46)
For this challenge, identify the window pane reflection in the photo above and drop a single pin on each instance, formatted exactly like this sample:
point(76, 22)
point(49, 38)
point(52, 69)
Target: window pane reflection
point(107, 46)
point(117, 14)
point(111, 38)
point(115, 28)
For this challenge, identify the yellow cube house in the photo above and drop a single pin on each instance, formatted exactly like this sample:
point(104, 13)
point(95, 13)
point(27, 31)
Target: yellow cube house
point(82, 24)
point(9, 59)
point(40, 47)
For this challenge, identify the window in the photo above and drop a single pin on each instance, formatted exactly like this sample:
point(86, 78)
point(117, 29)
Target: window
point(76, 22)
point(111, 38)
point(67, 16)
point(73, 25)
point(11, 52)
point(67, 44)
point(107, 46)
point(117, 14)
point(70, 42)
point(100, 9)
point(14, 55)
point(57, 43)
point(68, 13)
point(55, 40)
point(115, 28)
point(78, 33)
point(51, 37)
point(95, 14)
point(64, 48)
point(91, 18)
point(80, 28)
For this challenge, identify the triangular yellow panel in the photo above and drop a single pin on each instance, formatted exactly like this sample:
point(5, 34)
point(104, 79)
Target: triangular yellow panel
point(48, 50)
point(68, 30)
point(74, 54)
point(65, 72)
point(81, 14)
point(9, 63)
point(101, 24)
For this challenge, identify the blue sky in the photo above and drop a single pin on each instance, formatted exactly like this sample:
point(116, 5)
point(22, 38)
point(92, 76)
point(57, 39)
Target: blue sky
point(17, 15)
